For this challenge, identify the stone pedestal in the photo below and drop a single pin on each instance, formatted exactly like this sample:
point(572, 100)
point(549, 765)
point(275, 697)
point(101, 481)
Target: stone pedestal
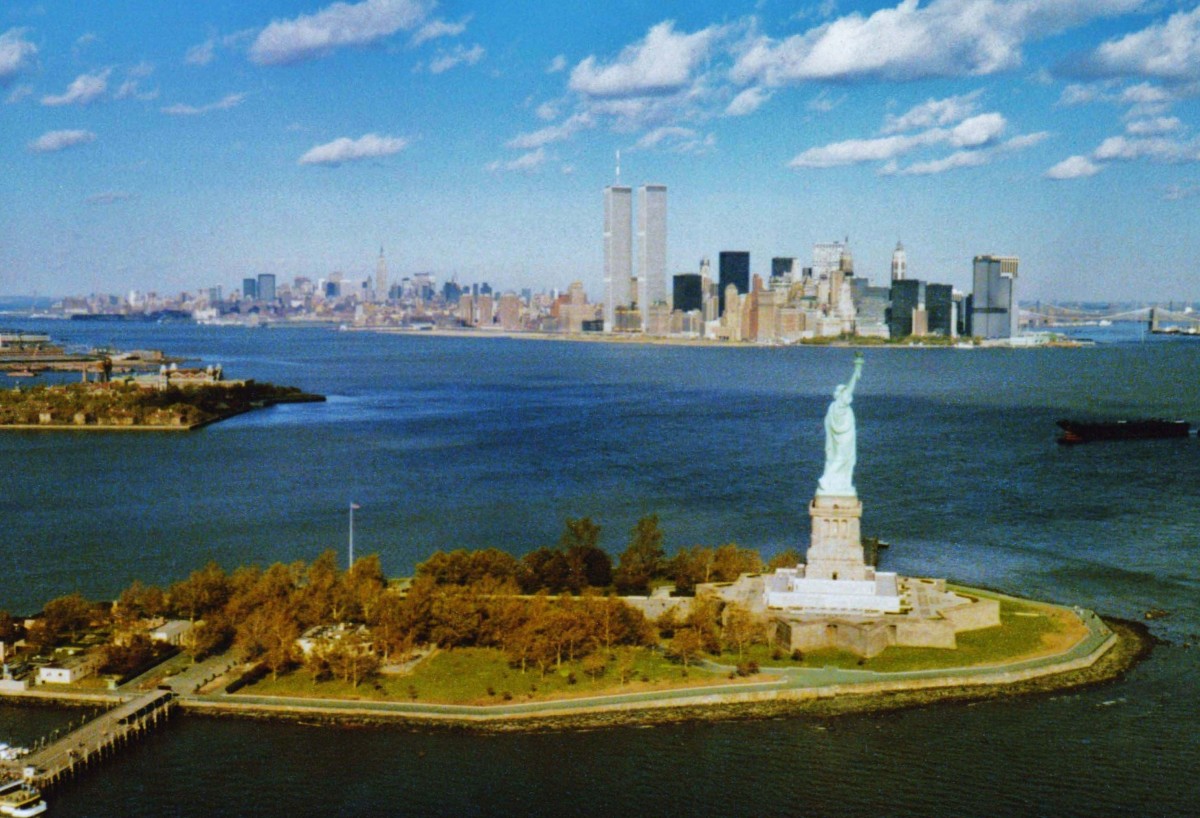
point(836, 551)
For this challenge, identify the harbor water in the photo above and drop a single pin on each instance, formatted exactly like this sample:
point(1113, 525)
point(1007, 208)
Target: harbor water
point(472, 443)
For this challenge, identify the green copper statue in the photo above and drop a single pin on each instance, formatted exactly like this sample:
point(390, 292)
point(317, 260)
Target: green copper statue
point(840, 440)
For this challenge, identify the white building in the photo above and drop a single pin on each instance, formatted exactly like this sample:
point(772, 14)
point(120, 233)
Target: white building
point(172, 632)
point(69, 670)
point(652, 248)
point(618, 251)
point(899, 263)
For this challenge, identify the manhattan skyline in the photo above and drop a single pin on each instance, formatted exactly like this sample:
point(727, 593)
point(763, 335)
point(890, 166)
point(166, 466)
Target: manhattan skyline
point(166, 148)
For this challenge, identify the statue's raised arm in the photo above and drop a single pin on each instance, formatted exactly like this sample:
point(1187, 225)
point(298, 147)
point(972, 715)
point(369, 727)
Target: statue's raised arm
point(858, 363)
point(840, 440)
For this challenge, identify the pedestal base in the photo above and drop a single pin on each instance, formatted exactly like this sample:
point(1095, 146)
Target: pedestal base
point(836, 551)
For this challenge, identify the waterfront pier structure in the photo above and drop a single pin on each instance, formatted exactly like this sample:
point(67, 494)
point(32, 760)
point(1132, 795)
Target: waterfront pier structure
point(94, 740)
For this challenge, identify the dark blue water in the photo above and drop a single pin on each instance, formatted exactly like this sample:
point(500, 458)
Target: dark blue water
point(450, 443)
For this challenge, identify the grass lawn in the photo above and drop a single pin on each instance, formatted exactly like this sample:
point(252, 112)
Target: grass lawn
point(483, 676)
point(1027, 630)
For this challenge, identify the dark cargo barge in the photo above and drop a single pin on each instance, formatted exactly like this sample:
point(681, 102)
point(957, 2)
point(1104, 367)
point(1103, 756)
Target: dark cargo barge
point(1086, 432)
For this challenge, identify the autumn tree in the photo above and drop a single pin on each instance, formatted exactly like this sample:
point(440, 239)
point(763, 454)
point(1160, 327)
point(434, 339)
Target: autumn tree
point(365, 585)
point(10, 628)
point(544, 569)
point(391, 626)
point(730, 561)
point(208, 636)
point(687, 645)
point(351, 658)
point(741, 628)
point(67, 614)
point(139, 601)
point(644, 560)
point(324, 596)
point(269, 633)
point(463, 567)
point(455, 617)
point(203, 591)
point(127, 658)
point(587, 565)
point(787, 558)
point(703, 617)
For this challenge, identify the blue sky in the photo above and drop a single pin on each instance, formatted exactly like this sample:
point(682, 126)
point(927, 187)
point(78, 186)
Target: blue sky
point(168, 146)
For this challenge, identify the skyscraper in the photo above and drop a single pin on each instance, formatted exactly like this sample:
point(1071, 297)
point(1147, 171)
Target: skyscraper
point(652, 247)
point(783, 267)
point(733, 267)
point(250, 288)
point(908, 295)
point(993, 305)
point(899, 263)
point(688, 292)
point(618, 250)
point(827, 257)
point(381, 278)
point(266, 286)
point(939, 304)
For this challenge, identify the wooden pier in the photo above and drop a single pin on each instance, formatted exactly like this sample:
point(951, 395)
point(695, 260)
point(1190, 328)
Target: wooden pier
point(94, 740)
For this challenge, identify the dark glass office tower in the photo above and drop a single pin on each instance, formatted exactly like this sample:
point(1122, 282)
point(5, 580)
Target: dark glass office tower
point(733, 268)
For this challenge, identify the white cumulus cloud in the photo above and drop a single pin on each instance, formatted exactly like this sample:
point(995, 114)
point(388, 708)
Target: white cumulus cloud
point(977, 131)
point(1155, 148)
point(662, 63)
point(201, 54)
point(342, 150)
point(1153, 126)
point(557, 64)
point(54, 141)
point(747, 101)
point(944, 38)
point(16, 54)
point(956, 160)
point(933, 112)
point(439, 28)
point(225, 103)
point(84, 89)
point(1073, 167)
point(1168, 50)
point(525, 163)
point(552, 133)
point(458, 56)
point(310, 36)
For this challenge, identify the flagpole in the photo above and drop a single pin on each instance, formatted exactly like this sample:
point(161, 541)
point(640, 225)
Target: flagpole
point(351, 563)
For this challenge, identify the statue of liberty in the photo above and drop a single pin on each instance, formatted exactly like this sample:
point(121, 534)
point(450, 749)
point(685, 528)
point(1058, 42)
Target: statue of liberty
point(840, 440)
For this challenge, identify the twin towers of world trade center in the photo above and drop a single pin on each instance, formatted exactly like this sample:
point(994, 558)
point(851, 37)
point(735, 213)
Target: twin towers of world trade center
point(628, 300)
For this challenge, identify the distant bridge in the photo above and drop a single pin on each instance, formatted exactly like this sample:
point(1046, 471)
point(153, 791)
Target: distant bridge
point(1156, 317)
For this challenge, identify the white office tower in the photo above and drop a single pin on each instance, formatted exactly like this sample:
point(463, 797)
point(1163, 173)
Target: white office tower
point(899, 263)
point(618, 251)
point(381, 278)
point(827, 258)
point(652, 248)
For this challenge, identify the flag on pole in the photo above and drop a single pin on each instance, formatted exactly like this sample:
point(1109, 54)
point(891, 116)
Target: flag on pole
point(355, 506)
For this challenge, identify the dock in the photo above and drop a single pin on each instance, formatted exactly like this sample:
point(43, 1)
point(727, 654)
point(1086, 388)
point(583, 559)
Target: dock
point(92, 741)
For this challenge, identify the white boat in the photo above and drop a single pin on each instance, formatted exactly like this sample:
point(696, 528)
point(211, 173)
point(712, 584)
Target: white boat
point(21, 800)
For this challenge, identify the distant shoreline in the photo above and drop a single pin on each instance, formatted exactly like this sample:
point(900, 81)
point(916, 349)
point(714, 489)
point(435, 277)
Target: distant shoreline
point(618, 338)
